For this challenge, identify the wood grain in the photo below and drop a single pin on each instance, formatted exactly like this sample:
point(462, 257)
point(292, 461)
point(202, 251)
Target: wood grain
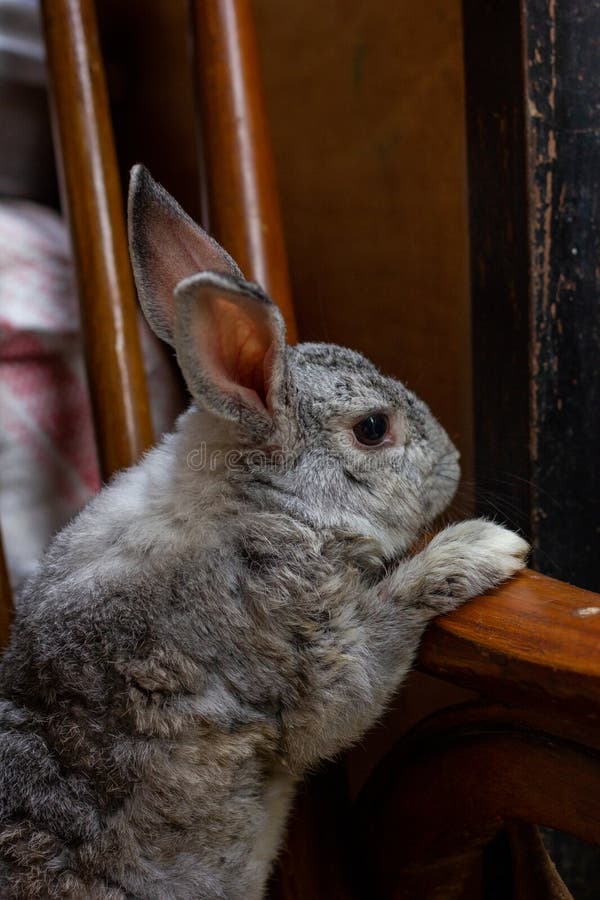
point(242, 202)
point(91, 197)
point(533, 638)
point(532, 79)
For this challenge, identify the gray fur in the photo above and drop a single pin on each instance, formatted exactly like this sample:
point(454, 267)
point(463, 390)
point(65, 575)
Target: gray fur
point(201, 636)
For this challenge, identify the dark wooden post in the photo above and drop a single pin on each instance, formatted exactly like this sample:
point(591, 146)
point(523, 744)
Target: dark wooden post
point(533, 117)
point(563, 42)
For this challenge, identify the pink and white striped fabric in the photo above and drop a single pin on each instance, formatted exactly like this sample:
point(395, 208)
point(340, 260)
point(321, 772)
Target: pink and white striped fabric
point(48, 463)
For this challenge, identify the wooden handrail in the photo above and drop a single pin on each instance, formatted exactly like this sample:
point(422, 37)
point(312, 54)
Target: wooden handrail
point(238, 171)
point(533, 638)
point(91, 196)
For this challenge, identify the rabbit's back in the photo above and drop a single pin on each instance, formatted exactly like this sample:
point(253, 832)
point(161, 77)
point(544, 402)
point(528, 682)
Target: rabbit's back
point(139, 720)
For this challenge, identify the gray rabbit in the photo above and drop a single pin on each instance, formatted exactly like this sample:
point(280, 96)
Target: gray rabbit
point(231, 610)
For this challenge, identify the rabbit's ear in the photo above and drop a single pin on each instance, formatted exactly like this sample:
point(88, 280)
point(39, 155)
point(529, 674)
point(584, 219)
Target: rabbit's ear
point(166, 246)
point(230, 342)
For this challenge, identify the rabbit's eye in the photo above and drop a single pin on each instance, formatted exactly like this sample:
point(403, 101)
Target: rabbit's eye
point(372, 430)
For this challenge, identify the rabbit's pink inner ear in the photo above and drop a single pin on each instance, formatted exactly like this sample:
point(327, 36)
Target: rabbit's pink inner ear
point(235, 342)
point(166, 247)
point(173, 249)
point(169, 255)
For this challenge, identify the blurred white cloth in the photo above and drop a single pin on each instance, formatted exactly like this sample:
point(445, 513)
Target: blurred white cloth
point(48, 463)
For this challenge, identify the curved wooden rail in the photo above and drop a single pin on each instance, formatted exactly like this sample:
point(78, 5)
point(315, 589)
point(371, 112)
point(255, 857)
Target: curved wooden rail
point(533, 638)
point(435, 801)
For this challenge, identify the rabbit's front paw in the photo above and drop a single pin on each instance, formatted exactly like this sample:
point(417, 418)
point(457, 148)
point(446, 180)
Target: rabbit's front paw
point(472, 557)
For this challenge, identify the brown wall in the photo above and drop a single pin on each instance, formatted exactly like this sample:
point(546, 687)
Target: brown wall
point(366, 108)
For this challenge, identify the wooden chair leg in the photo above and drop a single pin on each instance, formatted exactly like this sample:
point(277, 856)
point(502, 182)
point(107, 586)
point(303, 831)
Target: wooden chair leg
point(534, 874)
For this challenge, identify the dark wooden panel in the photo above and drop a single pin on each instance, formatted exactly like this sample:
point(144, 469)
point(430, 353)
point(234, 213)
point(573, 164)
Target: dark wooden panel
point(147, 57)
point(564, 133)
point(533, 81)
point(314, 861)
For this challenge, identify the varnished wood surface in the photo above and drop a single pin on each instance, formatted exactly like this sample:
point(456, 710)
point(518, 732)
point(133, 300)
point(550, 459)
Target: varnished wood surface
point(533, 640)
point(243, 206)
point(91, 197)
point(533, 637)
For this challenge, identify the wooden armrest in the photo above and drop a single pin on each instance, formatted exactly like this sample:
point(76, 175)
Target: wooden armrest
point(533, 636)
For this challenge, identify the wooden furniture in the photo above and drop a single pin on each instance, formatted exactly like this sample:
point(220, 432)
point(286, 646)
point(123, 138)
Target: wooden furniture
point(434, 814)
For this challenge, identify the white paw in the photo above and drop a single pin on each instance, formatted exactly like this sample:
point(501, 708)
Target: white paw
point(485, 542)
point(473, 556)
